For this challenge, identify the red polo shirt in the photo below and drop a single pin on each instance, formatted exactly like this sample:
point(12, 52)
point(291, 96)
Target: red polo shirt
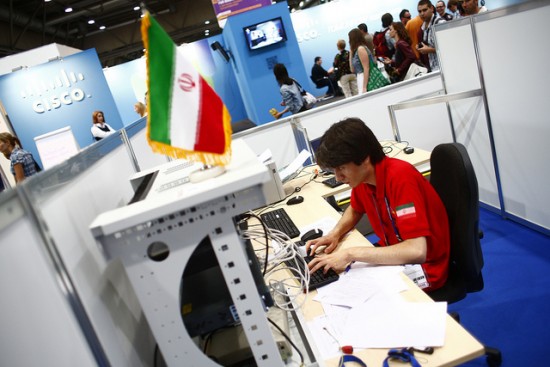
point(416, 210)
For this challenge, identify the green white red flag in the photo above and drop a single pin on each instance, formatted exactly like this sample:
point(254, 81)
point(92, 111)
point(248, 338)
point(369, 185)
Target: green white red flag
point(185, 117)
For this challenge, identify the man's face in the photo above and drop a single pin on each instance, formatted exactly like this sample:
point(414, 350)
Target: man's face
point(406, 17)
point(353, 174)
point(320, 62)
point(425, 12)
point(470, 6)
point(440, 8)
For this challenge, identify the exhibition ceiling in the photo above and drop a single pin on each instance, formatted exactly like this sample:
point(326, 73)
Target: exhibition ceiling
point(111, 27)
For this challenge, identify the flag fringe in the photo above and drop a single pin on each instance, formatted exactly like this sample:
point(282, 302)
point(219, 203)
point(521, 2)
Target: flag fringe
point(204, 157)
point(145, 24)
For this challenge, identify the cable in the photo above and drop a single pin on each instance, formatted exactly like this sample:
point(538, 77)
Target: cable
point(289, 340)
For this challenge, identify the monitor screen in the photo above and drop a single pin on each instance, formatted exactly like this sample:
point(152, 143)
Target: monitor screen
point(265, 33)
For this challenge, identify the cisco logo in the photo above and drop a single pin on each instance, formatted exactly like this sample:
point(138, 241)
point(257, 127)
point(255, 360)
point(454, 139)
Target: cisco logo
point(61, 91)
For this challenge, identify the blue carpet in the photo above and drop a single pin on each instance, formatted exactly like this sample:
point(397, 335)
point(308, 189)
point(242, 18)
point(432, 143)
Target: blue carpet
point(511, 312)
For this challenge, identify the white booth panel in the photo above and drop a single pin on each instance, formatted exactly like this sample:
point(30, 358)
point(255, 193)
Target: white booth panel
point(372, 108)
point(457, 56)
point(38, 324)
point(146, 158)
point(277, 137)
point(460, 72)
point(104, 289)
point(517, 96)
point(425, 127)
point(470, 125)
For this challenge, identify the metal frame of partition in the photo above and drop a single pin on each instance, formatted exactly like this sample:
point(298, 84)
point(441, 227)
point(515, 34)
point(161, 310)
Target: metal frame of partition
point(455, 97)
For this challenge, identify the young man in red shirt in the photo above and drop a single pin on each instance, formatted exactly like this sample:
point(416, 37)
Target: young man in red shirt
point(404, 210)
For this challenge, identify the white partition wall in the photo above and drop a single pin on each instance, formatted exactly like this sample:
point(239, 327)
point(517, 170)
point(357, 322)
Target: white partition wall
point(517, 96)
point(66, 200)
point(142, 152)
point(38, 325)
point(423, 128)
point(460, 73)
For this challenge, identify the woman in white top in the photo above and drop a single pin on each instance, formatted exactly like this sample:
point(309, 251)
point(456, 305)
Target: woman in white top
point(100, 128)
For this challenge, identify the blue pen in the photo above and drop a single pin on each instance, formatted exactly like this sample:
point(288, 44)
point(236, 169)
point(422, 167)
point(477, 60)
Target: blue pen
point(348, 268)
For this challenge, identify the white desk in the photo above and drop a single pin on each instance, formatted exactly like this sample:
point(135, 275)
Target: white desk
point(459, 346)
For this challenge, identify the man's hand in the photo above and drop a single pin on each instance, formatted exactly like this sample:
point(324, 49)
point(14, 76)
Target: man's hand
point(329, 241)
point(337, 261)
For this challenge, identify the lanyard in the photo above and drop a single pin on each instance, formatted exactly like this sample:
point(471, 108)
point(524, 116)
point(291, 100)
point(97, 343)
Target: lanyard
point(350, 358)
point(402, 355)
point(394, 226)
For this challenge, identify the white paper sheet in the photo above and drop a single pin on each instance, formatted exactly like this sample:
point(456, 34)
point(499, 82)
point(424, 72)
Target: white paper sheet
point(396, 324)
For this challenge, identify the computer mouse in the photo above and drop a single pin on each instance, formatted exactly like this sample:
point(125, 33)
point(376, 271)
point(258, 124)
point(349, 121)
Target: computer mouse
point(295, 200)
point(311, 234)
point(408, 150)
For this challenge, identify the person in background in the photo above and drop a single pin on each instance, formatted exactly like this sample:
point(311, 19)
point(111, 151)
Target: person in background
point(471, 7)
point(403, 208)
point(292, 98)
point(383, 43)
point(414, 30)
point(100, 128)
point(359, 59)
point(404, 55)
point(427, 45)
point(22, 162)
point(140, 109)
point(405, 16)
point(368, 37)
point(323, 78)
point(452, 5)
point(440, 9)
point(343, 74)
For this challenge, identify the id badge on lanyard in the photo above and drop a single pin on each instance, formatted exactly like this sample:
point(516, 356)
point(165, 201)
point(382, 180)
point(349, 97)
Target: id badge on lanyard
point(414, 272)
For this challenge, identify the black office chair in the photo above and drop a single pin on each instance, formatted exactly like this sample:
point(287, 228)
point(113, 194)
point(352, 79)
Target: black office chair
point(454, 179)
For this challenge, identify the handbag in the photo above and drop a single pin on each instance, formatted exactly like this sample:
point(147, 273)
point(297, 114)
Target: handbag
point(308, 99)
point(376, 78)
point(414, 71)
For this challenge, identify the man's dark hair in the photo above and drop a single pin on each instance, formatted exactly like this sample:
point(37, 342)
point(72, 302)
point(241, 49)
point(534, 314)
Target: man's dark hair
point(387, 20)
point(402, 14)
point(349, 140)
point(363, 27)
point(426, 2)
point(317, 58)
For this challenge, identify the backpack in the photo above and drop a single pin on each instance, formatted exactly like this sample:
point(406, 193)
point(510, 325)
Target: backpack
point(381, 48)
point(341, 63)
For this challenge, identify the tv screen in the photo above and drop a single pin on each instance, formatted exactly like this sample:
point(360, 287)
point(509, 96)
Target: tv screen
point(265, 33)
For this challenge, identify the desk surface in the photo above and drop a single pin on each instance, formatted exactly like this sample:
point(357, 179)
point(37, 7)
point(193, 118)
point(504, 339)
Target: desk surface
point(459, 346)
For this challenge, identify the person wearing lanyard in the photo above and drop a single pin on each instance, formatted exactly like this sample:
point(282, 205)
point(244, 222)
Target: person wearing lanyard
point(404, 210)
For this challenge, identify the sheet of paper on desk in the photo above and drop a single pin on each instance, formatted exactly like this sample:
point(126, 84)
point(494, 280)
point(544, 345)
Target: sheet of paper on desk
point(397, 324)
point(294, 166)
point(265, 156)
point(360, 283)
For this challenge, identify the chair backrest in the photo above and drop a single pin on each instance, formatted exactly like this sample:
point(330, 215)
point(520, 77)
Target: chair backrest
point(454, 179)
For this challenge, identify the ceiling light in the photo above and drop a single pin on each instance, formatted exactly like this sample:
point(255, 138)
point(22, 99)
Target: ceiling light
point(68, 10)
point(136, 8)
point(102, 27)
point(47, 1)
point(91, 21)
point(206, 22)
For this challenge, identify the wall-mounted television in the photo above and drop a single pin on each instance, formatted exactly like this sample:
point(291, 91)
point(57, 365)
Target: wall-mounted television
point(265, 33)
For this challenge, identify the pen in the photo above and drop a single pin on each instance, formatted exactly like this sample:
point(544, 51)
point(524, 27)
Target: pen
point(348, 268)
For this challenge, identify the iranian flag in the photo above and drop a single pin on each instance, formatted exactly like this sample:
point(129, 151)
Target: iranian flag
point(186, 118)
